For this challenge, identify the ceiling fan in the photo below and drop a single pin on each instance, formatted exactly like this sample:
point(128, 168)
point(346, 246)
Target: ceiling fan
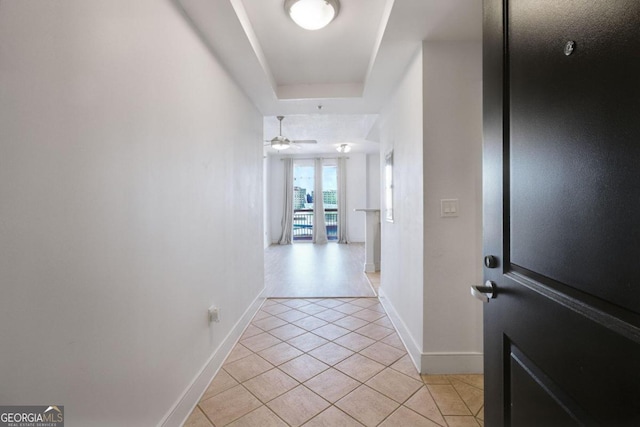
point(282, 143)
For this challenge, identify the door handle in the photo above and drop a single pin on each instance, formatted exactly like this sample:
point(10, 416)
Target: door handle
point(484, 293)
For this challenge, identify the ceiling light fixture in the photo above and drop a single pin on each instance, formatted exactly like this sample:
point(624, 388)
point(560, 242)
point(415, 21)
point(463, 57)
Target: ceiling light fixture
point(344, 148)
point(312, 14)
point(280, 143)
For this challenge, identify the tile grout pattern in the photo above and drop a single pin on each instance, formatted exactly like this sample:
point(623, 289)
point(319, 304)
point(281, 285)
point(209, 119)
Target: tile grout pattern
point(331, 361)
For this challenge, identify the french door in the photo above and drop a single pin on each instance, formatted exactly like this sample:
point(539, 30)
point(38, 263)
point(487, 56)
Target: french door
point(304, 199)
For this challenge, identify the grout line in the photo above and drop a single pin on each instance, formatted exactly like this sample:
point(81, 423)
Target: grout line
point(465, 403)
point(466, 382)
point(359, 383)
point(204, 413)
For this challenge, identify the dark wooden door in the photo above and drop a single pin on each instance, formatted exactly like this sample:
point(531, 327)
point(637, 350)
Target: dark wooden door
point(562, 212)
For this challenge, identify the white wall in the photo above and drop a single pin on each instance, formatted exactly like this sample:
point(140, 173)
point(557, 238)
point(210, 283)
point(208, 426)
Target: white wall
point(434, 125)
point(373, 181)
point(402, 246)
point(356, 196)
point(452, 165)
point(130, 201)
point(356, 193)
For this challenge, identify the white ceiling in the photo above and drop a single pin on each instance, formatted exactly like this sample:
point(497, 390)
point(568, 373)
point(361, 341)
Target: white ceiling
point(300, 57)
point(330, 130)
point(350, 67)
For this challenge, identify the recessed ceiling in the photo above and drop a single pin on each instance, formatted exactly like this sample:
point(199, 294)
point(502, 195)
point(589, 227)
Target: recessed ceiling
point(334, 55)
point(350, 67)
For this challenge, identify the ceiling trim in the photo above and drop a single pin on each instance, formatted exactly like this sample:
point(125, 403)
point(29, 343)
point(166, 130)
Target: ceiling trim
point(241, 13)
point(376, 48)
point(225, 28)
point(321, 91)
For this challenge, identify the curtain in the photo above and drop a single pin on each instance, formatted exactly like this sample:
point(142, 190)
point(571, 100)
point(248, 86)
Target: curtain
point(287, 211)
point(342, 201)
point(319, 223)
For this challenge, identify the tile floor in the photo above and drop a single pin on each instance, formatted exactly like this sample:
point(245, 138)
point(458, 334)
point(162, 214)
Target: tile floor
point(331, 362)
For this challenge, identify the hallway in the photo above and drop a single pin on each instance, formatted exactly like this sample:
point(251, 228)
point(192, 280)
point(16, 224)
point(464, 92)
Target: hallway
point(331, 362)
point(136, 172)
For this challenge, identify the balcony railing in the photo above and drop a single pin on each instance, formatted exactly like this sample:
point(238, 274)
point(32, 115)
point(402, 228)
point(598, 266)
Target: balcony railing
point(303, 224)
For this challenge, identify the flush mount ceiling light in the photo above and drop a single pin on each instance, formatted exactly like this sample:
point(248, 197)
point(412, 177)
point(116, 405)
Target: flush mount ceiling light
point(344, 148)
point(312, 14)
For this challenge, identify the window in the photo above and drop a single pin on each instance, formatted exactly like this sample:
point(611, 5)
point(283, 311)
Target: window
point(304, 199)
point(303, 183)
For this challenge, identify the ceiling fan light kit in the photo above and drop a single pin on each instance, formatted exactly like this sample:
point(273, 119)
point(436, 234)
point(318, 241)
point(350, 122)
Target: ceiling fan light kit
point(312, 14)
point(343, 148)
point(282, 143)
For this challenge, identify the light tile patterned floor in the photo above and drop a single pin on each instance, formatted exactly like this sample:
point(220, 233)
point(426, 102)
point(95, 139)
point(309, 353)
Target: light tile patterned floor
point(331, 362)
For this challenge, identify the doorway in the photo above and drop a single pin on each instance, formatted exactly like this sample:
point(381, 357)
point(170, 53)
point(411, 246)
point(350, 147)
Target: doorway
point(304, 198)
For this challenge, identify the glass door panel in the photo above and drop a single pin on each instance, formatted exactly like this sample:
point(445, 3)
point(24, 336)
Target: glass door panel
point(330, 199)
point(303, 183)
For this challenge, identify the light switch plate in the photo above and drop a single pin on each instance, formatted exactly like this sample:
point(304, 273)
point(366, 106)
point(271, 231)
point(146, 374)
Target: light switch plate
point(449, 208)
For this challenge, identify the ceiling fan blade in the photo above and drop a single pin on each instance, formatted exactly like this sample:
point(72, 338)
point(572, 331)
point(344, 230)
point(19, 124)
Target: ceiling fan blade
point(304, 141)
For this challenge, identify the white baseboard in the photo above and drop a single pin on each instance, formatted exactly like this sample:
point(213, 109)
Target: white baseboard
point(452, 363)
point(179, 413)
point(432, 363)
point(414, 350)
point(369, 267)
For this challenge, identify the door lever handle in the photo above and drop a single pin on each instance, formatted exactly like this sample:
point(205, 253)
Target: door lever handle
point(484, 293)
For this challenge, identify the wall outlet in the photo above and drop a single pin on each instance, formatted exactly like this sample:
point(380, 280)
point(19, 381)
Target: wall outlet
point(214, 314)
